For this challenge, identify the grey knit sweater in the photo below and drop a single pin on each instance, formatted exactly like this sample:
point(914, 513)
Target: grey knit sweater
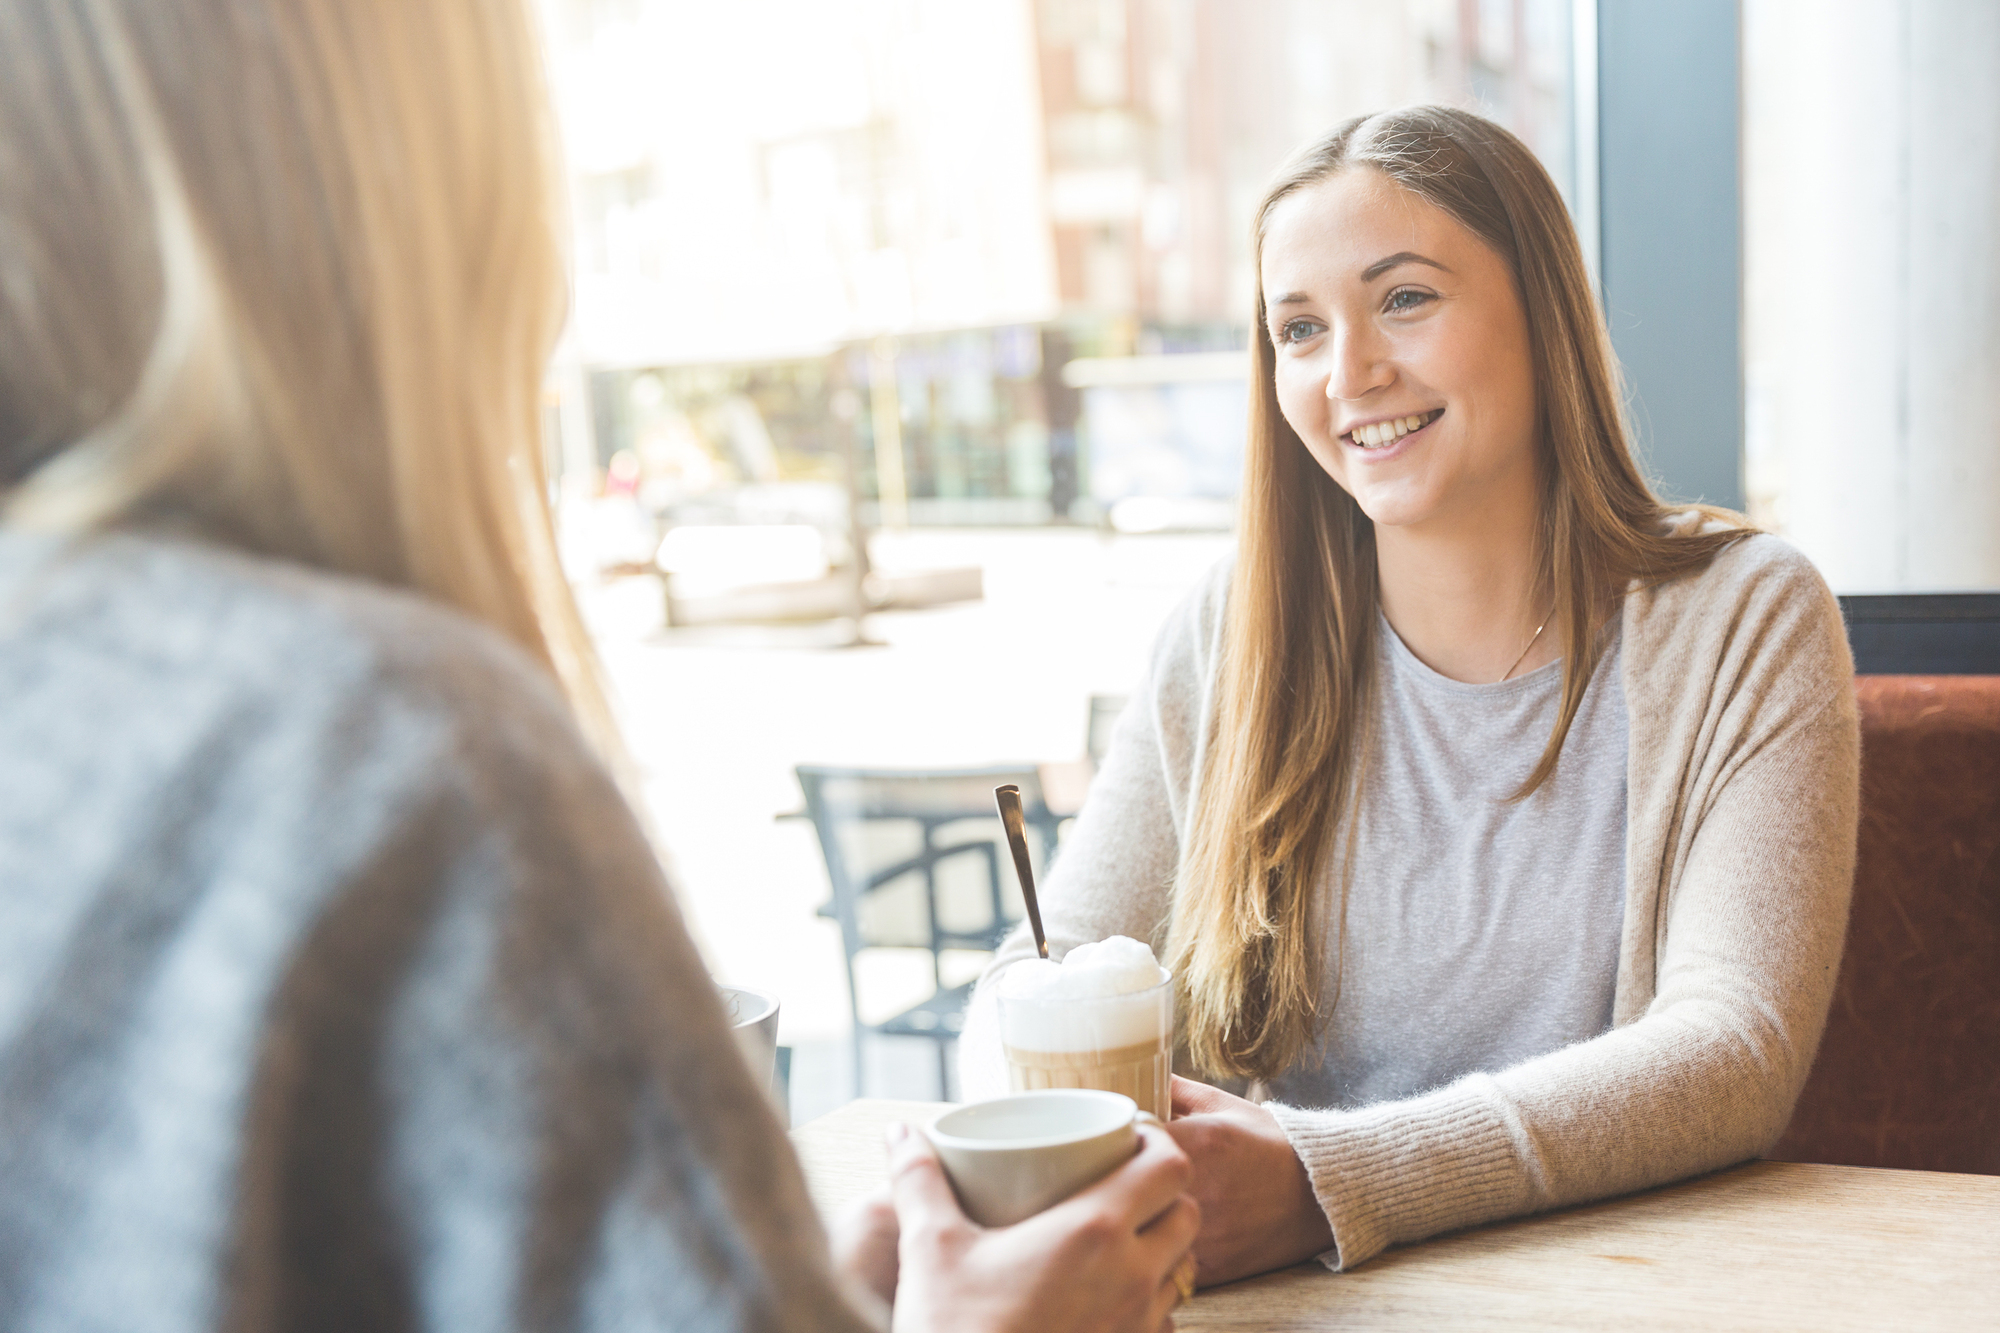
point(339, 989)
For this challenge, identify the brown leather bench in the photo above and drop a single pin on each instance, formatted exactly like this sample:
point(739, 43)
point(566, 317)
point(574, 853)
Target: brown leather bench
point(1908, 1074)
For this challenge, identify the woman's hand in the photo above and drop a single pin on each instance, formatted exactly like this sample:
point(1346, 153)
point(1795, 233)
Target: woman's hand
point(1101, 1261)
point(864, 1244)
point(1258, 1211)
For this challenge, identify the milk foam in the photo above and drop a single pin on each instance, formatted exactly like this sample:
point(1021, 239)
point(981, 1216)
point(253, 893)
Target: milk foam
point(1100, 997)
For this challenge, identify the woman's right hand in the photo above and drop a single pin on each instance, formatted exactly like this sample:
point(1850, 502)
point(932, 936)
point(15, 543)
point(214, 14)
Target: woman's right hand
point(1100, 1262)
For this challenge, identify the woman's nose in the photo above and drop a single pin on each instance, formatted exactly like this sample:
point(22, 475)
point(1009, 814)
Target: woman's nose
point(1358, 367)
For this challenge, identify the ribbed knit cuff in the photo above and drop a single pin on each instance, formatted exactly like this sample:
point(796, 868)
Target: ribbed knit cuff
point(1405, 1170)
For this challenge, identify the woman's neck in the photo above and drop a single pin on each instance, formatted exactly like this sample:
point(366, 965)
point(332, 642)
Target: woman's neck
point(1468, 597)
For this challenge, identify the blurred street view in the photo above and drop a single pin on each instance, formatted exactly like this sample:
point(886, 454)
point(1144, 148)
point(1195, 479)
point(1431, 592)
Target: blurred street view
point(718, 716)
point(987, 263)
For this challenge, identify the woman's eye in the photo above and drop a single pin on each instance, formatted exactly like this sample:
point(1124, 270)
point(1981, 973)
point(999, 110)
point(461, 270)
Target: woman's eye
point(1298, 330)
point(1407, 298)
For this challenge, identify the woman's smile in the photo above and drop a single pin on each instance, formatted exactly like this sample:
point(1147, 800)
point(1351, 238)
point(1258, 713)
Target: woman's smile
point(1380, 440)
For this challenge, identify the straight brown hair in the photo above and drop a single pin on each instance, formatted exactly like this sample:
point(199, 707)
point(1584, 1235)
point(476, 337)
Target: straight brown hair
point(1282, 772)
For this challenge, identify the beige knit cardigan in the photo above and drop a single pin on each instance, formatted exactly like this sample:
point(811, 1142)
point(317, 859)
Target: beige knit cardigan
point(1739, 859)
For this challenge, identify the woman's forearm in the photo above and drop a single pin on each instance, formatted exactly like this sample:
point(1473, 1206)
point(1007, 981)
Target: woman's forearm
point(1705, 1077)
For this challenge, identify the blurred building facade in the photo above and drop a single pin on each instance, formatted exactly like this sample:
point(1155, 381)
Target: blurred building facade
point(1165, 120)
point(889, 229)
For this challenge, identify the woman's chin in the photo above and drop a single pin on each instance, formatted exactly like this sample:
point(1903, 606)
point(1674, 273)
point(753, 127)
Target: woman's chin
point(1397, 506)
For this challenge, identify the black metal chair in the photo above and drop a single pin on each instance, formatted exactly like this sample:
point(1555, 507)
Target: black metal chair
point(915, 860)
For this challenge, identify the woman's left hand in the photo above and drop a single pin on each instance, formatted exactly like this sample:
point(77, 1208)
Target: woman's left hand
point(1258, 1211)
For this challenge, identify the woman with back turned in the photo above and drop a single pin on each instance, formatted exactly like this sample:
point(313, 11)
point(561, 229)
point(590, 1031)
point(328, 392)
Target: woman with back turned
point(1496, 818)
point(338, 986)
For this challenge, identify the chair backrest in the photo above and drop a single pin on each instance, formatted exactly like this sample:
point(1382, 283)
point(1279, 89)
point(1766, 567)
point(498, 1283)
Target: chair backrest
point(1908, 1073)
point(917, 858)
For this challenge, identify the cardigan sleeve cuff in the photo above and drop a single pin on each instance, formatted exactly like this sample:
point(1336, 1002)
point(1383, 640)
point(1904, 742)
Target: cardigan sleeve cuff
point(1405, 1170)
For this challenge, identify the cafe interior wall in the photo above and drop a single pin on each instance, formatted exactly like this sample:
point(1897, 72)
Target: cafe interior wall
point(1872, 287)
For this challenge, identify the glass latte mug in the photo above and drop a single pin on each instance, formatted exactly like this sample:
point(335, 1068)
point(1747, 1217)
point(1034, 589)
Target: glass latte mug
point(1115, 1043)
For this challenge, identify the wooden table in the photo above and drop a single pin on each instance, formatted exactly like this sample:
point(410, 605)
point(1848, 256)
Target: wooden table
point(1773, 1245)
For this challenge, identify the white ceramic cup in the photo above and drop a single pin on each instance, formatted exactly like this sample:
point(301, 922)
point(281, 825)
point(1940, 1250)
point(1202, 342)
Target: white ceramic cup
point(753, 1019)
point(1011, 1157)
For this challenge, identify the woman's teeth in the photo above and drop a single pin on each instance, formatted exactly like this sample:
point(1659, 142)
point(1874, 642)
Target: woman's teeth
point(1387, 432)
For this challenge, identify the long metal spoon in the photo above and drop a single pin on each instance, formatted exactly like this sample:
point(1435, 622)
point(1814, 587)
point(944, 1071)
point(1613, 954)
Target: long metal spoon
point(1008, 798)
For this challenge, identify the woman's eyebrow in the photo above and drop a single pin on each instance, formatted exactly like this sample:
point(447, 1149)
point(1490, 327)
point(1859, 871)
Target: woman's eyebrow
point(1381, 266)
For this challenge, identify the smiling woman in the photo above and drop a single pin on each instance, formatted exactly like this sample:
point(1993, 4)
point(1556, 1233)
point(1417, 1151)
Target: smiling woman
point(1497, 819)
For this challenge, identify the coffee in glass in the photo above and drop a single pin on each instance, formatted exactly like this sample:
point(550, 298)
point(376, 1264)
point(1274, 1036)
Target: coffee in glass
point(1102, 1018)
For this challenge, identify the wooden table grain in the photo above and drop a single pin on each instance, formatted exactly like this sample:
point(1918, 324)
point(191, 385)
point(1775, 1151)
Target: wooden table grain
point(1767, 1245)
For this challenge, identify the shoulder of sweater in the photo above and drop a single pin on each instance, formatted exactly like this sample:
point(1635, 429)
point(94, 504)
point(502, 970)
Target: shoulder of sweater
point(292, 645)
point(1184, 653)
point(1760, 573)
point(1759, 600)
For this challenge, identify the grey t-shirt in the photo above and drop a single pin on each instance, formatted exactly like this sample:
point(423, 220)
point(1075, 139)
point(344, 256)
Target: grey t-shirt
point(338, 987)
point(1479, 933)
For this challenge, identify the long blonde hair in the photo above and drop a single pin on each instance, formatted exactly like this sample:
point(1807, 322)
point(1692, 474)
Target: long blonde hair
point(289, 273)
point(1281, 773)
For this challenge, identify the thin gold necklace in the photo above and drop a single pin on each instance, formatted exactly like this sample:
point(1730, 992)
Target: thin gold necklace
point(1532, 640)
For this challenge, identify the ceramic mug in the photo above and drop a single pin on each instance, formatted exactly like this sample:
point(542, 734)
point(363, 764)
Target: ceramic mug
point(1011, 1157)
point(753, 1021)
